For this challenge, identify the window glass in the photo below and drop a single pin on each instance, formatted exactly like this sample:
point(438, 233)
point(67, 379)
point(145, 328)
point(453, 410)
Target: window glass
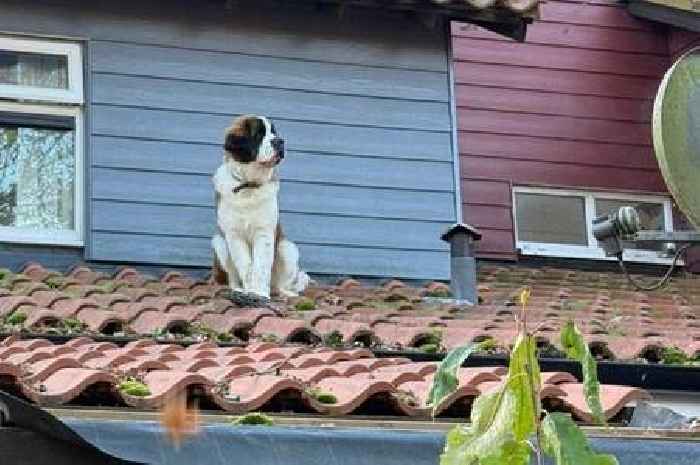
point(33, 69)
point(37, 177)
point(551, 219)
point(651, 218)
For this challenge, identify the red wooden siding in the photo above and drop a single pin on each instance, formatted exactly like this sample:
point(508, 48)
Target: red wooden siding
point(570, 107)
point(680, 41)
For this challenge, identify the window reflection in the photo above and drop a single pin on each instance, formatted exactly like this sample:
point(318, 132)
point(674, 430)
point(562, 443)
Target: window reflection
point(37, 177)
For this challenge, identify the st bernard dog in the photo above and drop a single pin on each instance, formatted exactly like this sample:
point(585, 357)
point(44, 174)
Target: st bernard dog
point(251, 255)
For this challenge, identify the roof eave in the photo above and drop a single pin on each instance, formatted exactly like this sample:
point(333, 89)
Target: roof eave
point(668, 12)
point(506, 17)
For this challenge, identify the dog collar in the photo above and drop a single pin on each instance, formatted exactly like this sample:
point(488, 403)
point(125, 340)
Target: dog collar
point(246, 185)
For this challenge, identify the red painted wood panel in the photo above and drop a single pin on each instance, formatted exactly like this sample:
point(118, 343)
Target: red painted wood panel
point(581, 36)
point(558, 127)
point(487, 202)
point(680, 41)
point(549, 103)
point(492, 218)
point(535, 173)
point(554, 57)
point(486, 191)
point(561, 152)
point(497, 244)
point(568, 108)
point(613, 16)
point(567, 82)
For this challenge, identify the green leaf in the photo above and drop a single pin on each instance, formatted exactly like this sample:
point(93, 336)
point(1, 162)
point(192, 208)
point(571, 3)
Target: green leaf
point(576, 348)
point(490, 439)
point(445, 380)
point(510, 453)
point(502, 420)
point(562, 440)
point(524, 382)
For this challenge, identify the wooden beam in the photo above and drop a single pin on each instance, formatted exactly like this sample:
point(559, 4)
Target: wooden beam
point(684, 5)
point(654, 11)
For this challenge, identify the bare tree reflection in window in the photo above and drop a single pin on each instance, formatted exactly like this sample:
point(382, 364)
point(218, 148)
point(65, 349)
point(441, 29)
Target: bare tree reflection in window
point(37, 172)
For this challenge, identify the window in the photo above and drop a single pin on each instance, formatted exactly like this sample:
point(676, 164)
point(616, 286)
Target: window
point(554, 222)
point(41, 192)
point(40, 70)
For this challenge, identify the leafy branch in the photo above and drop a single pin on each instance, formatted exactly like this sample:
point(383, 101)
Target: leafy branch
point(504, 420)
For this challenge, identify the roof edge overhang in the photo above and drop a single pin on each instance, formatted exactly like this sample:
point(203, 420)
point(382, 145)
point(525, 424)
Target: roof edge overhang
point(140, 440)
point(296, 420)
point(506, 17)
point(680, 13)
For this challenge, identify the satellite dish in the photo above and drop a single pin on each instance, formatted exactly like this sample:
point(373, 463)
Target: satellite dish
point(676, 132)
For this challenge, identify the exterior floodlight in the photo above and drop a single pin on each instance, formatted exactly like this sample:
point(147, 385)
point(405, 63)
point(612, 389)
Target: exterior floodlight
point(610, 229)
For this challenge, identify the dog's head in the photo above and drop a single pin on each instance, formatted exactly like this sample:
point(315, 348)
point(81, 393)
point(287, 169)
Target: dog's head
point(254, 139)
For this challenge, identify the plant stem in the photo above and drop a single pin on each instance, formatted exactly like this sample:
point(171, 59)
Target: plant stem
point(536, 406)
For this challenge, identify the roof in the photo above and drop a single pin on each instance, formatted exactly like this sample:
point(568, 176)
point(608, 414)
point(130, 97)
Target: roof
point(262, 376)
point(507, 17)
point(450, 6)
point(681, 13)
point(287, 354)
point(618, 322)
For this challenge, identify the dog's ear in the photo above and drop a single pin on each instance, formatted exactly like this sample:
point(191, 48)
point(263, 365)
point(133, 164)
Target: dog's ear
point(239, 147)
point(235, 143)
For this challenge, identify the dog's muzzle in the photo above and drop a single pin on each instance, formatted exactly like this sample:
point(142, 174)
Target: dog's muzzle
point(278, 145)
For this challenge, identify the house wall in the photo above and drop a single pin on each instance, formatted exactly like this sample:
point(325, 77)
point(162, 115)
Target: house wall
point(680, 41)
point(362, 99)
point(570, 107)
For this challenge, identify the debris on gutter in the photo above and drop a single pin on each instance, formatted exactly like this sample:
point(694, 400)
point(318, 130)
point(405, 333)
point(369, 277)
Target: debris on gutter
point(658, 417)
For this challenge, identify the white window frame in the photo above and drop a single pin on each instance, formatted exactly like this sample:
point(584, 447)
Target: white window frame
point(73, 94)
point(592, 250)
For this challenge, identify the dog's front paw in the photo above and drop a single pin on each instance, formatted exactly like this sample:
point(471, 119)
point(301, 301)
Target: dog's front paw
point(248, 299)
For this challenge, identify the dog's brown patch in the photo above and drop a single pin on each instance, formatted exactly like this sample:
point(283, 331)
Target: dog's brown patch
point(243, 138)
point(218, 274)
point(279, 236)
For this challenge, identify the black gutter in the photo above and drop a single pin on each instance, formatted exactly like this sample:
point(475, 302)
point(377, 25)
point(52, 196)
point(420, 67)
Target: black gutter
point(130, 442)
point(646, 376)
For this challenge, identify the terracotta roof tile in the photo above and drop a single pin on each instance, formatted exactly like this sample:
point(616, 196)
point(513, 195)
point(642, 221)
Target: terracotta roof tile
point(618, 323)
point(613, 398)
point(64, 385)
point(262, 376)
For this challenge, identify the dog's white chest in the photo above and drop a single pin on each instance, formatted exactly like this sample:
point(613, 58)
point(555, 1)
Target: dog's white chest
point(248, 210)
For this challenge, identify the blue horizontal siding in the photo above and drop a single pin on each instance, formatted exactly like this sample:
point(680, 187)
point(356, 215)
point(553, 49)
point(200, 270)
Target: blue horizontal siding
point(272, 72)
point(226, 99)
point(362, 100)
point(310, 228)
point(188, 127)
point(317, 197)
point(321, 259)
